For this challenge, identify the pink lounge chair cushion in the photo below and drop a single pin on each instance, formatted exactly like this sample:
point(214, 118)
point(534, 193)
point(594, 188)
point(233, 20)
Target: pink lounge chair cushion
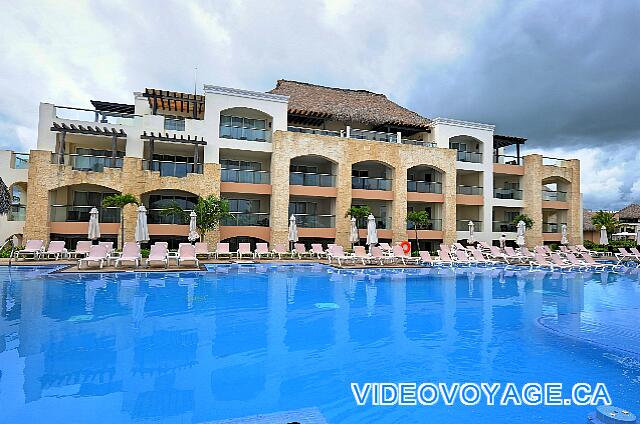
point(300, 248)
point(96, 253)
point(244, 247)
point(280, 248)
point(158, 253)
point(186, 252)
point(222, 248)
point(202, 248)
point(83, 246)
point(56, 247)
point(262, 248)
point(317, 248)
point(33, 246)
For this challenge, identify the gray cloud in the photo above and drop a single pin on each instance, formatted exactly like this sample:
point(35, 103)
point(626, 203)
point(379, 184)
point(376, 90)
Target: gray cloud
point(563, 74)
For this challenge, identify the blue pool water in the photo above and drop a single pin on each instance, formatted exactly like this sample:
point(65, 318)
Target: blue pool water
point(241, 340)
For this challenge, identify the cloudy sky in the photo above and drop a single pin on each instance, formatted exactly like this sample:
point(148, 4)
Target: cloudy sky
point(566, 75)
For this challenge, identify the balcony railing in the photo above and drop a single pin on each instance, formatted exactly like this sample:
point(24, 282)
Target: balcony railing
point(17, 213)
point(504, 227)
point(553, 161)
point(469, 190)
point(69, 213)
point(463, 225)
point(434, 224)
point(507, 159)
point(424, 186)
point(315, 221)
point(366, 183)
point(243, 133)
point(245, 176)
point(560, 196)
point(315, 131)
point(20, 161)
point(418, 142)
point(172, 169)
point(160, 216)
point(373, 135)
point(507, 193)
point(474, 157)
point(551, 227)
point(247, 219)
point(382, 222)
point(87, 162)
point(312, 179)
point(90, 115)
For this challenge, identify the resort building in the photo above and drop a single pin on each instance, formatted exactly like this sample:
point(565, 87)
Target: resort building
point(628, 217)
point(301, 149)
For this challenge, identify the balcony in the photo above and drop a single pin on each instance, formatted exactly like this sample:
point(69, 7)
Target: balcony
point(315, 221)
point(551, 227)
point(507, 193)
point(171, 168)
point(367, 183)
point(373, 135)
point(418, 142)
point(245, 176)
point(557, 196)
point(159, 216)
point(315, 131)
point(17, 213)
point(98, 116)
point(20, 161)
point(433, 225)
point(463, 225)
point(507, 160)
point(382, 223)
point(469, 190)
point(247, 219)
point(504, 227)
point(554, 161)
point(473, 157)
point(312, 179)
point(70, 213)
point(424, 187)
point(91, 163)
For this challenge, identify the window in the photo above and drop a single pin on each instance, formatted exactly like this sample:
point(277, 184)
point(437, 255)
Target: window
point(242, 165)
point(362, 173)
point(174, 123)
point(89, 198)
point(163, 201)
point(303, 208)
point(509, 216)
point(307, 169)
point(244, 206)
point(241, 128)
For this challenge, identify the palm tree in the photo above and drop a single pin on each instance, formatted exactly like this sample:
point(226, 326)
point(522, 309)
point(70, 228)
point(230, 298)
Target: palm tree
point(210, 211)
point(605, 219)
point(418, 219)
point(120, 201)
point(528, 222)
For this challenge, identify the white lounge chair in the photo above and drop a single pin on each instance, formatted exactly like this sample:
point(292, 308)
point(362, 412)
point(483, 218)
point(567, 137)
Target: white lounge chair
point(130, 254)
point(426, 259)
point(281, 249)
point(97, 254)
point(187, 253)
point(244, 249)
point(202, 249)
point(158, 255)
point(301, 251)
point(56, 250)
point(400, 256)
point(337, 253)
point(33, 248)
point(222, 249)
point(316, 249)
point(82, 249)
point(262, 249)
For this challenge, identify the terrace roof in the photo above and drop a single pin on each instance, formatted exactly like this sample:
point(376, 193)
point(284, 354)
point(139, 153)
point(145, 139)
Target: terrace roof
point(500, 141)
point(174, 101)
point(113, 107)
point(630, 212)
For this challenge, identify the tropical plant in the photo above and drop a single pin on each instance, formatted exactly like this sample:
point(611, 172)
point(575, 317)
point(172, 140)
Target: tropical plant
point(210, 211)
point(120, 201)
point(605, 219)
point(360, 213)
point(528, 222)
point(418, 219)
point(5, 198)
point(174, 210)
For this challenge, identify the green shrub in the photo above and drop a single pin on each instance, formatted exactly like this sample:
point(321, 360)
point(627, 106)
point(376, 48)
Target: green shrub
point(622, 243)
point(589, 244)
point(553, 246)
point(145, 252)
point(6, 252)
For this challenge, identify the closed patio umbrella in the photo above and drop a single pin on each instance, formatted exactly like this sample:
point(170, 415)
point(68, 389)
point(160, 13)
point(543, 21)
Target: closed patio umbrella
point(372, 231)
point(354, 237)
point(604, 240)
point(637, 234)
point(471, 239)
point(293, 230)
point(520, 234)
point(564, 240)
point(503, 240)
point(142, 229)
point(193, 232)
point(94, 226)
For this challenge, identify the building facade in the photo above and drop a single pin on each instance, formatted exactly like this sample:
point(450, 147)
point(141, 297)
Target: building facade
point(300, 149)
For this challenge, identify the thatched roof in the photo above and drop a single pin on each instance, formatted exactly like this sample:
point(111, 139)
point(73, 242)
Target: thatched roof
point(630, 212)
point(347, 105)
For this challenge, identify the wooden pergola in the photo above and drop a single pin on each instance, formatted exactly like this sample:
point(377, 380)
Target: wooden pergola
point(173, 101)
point(95, 130)
point(500, 141)
point(151, 138)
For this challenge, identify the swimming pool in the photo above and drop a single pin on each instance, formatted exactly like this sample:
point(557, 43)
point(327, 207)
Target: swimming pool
point(241, 340)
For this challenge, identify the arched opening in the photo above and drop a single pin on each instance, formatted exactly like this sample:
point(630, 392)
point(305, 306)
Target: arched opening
point(469, 148)
point(18, 209)
point(424, 179)
point(312, 170)
point(554, 211)
point(236, 240)
point(371, 175)
point(241, 123)
point(73, 203)
point(160, 203)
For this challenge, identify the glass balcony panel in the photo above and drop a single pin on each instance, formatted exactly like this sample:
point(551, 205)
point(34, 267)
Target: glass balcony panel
point(424, 186)
point(71, 213)
point(434, 225)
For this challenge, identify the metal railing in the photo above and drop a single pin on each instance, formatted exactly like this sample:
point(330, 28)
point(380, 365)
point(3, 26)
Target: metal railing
point(382, 222)
point(315, 131)
point(246, 176)
point(315, 221)
point(174, 124)
point(507, 159)
point(504, 227)
point(172, 169)
point(160, 216)
point(424, 186)
point(20, 161)
point(99, 116)
point(463, 225)
point(367, 183)
point(70, 213)
point(373, 135)
point(86, 162)
point(553, 161)
point(469, 190)
point(551, 227)
point(507, 193)
point(17, 213)
point(247, 219)
point(312, 179)
point(560, 196)
point(418, 142)
point(243, 133)
point(434, 225)
point(474, 157)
